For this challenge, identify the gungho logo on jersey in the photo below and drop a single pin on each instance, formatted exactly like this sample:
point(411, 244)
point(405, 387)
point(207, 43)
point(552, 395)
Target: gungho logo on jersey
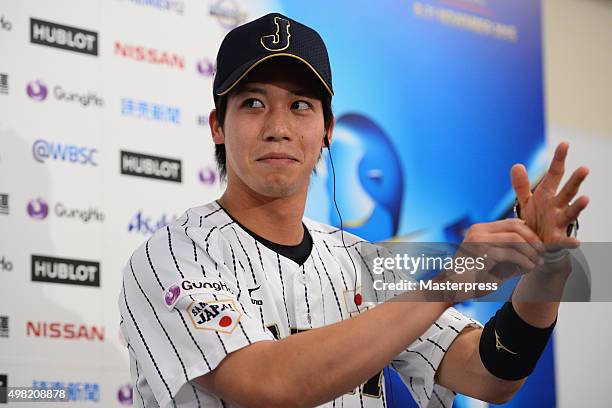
point(155, 167)
point(187, 287)
point(66, 271)
point(63, 37)
point(221, 315)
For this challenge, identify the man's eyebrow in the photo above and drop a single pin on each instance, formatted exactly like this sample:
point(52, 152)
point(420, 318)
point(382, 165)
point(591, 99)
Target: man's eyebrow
point(256, 90)
point(250, 89)
point(305, 92)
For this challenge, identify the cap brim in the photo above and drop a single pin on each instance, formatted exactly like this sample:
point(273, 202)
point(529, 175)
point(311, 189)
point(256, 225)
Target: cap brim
point(244, 69)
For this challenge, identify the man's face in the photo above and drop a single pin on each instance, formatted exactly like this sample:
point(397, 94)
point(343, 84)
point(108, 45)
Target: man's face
point(274, 129)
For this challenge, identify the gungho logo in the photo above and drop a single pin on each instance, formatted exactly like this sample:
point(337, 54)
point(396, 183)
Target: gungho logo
point(37, 90)
point(38, 209)
point(125, 394)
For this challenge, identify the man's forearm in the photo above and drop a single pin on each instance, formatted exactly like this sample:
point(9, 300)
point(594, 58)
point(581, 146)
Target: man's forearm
point(537, 296)
point(316, 366)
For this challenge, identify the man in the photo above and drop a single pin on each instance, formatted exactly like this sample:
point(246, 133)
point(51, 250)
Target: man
point(245, 302)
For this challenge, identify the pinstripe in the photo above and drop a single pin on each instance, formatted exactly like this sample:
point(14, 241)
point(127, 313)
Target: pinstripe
point(306, 298)
point(330, 282)
point(336, 262)
point(146, 345)
point(280, 274)
point(137, 374)
point(165, 332)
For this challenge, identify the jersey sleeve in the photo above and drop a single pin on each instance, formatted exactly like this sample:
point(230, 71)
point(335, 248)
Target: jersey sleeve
point(182, 311)
point(417, 364)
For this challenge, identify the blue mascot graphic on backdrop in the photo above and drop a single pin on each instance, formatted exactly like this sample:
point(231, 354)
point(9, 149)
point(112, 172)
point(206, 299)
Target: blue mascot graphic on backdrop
point(368, 171)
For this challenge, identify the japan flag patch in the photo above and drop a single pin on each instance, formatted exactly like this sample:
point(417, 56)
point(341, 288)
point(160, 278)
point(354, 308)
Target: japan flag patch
point(219, 315)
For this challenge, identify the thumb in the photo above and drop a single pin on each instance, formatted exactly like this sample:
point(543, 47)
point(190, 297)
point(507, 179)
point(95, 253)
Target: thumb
point(520, 183)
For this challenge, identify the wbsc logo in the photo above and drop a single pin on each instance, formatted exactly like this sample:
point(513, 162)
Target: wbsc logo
point(155, 167)
point(146, 225)
point(63, 37)
point(43, 150)
point(65, 271)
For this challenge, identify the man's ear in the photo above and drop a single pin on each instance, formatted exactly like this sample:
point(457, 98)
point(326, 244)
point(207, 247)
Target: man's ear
point(215, 128)
point(330, 132)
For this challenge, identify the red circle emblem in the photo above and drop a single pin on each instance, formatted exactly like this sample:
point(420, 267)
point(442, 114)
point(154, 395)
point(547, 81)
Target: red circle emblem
point(225, 321)
point(358, 299)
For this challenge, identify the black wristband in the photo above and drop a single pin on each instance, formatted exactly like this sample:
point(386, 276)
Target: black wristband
point(510, 348)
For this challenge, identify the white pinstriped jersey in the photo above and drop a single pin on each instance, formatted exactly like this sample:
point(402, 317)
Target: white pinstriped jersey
point(203, 287)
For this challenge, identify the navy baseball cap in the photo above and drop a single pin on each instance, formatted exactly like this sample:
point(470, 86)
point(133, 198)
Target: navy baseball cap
point(270, 36)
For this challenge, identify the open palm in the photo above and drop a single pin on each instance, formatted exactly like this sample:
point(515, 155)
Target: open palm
point(545, 211)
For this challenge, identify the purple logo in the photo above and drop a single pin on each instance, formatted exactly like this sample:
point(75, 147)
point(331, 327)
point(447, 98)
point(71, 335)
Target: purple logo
point(125, 394)
point(207, 176)
point(38, 209)
point(172, 294)
point(206, 67)
point(37, 90)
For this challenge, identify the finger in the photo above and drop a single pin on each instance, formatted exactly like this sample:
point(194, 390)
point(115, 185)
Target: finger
point(520, 183)
point(518, 226)
point(570, 189)
point(570, 242)
point(512, 256)
point(515, 241)
point(553, 176)
point(573, 211)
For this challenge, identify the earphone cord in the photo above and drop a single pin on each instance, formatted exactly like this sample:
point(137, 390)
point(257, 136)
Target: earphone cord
point(350, 257)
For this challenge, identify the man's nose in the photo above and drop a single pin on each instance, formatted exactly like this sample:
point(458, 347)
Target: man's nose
point(278, 126)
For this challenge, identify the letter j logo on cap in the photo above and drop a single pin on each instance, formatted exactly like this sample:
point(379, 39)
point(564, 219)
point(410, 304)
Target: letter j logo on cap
point(278, 41)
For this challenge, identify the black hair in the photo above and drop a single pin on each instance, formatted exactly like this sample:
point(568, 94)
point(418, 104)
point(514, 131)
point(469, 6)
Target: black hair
point(221, 110)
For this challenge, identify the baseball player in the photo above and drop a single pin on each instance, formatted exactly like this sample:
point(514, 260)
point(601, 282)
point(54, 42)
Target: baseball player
point(245, 302)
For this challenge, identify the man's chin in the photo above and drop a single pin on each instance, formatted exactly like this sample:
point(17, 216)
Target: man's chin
point(279, 187)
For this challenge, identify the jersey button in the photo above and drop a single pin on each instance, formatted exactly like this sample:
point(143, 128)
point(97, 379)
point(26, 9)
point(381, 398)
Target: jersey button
point(303, 279)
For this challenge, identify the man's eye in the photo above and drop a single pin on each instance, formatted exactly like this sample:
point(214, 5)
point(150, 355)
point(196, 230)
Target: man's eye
point(300, 105)
point(253, 103)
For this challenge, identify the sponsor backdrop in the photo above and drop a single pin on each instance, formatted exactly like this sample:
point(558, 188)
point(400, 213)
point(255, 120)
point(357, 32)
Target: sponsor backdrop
point(104, 138)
